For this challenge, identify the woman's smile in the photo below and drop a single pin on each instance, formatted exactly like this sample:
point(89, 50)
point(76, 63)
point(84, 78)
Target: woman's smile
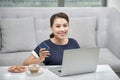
point(62, 33)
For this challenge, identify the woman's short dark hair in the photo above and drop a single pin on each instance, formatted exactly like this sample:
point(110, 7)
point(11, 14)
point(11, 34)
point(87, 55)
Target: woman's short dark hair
point(57, 15)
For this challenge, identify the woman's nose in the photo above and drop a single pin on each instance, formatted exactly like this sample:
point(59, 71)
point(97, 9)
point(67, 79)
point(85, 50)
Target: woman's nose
point(62, 28)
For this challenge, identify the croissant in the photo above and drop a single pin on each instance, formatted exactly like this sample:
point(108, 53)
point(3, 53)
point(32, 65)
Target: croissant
point(17, 69)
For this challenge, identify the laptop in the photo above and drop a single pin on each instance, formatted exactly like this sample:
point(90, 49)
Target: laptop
point(77, 61)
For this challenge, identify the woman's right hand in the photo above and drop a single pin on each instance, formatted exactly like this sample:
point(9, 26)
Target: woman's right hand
point(43, 54)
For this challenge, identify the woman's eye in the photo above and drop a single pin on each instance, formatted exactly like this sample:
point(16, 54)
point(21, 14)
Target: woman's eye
point(57, 26)
point(65, 25)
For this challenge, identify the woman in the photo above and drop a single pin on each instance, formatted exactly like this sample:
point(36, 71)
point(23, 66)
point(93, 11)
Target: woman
point(58, 42)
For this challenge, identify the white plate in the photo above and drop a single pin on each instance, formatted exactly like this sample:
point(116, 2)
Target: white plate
point(34, 74)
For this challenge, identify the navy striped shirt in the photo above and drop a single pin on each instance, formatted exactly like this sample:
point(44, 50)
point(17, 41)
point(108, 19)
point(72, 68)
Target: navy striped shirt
point(56, 51)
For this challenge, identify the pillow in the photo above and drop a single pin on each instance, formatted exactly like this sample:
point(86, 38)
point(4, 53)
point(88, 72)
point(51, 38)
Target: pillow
point(83, 30)
point(42, 28)
point(0, 39)
point(17, 34)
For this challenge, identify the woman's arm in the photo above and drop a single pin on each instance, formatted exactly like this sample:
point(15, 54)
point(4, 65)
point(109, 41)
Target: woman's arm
point(33, 60)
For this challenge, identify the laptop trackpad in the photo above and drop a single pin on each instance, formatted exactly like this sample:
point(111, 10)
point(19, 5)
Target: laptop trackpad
point(56, 70)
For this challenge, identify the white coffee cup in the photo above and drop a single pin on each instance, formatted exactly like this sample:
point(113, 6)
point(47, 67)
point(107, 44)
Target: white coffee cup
point(34, 68)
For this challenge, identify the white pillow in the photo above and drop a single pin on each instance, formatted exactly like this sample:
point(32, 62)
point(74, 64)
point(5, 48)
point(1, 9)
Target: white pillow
point(18, 34)
point(83, 30)
point(0, 39)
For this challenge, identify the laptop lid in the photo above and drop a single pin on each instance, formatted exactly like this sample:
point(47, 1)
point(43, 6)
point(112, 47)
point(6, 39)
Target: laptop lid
point(76, 61)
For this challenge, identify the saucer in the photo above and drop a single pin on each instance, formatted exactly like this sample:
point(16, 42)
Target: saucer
point(34, 74)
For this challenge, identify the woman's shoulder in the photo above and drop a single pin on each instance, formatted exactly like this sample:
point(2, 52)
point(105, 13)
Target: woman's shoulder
point(48, 40)
point(74, 42)
point(45, 41)
point(71, 39)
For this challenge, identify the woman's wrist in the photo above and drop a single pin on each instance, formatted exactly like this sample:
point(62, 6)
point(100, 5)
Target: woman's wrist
point(41, 60)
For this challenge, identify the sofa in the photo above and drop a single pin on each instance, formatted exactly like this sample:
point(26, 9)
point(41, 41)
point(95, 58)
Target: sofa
point(23, 28)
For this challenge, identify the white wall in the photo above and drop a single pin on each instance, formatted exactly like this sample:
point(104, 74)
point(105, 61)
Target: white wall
point(114, 3)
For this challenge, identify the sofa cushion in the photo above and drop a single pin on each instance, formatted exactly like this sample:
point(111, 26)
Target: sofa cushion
point(17, 34)
point(85, 34)
point(0, 39)
point(107, 57)
point(16, 58)
point(42, 26)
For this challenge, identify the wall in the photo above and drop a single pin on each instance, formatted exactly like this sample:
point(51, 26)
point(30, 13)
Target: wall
point(114, 3)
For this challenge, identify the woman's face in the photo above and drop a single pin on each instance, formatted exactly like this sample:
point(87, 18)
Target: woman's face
point(60, 28)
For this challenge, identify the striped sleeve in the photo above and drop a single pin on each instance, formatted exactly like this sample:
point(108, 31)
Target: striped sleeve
point(35, 54)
